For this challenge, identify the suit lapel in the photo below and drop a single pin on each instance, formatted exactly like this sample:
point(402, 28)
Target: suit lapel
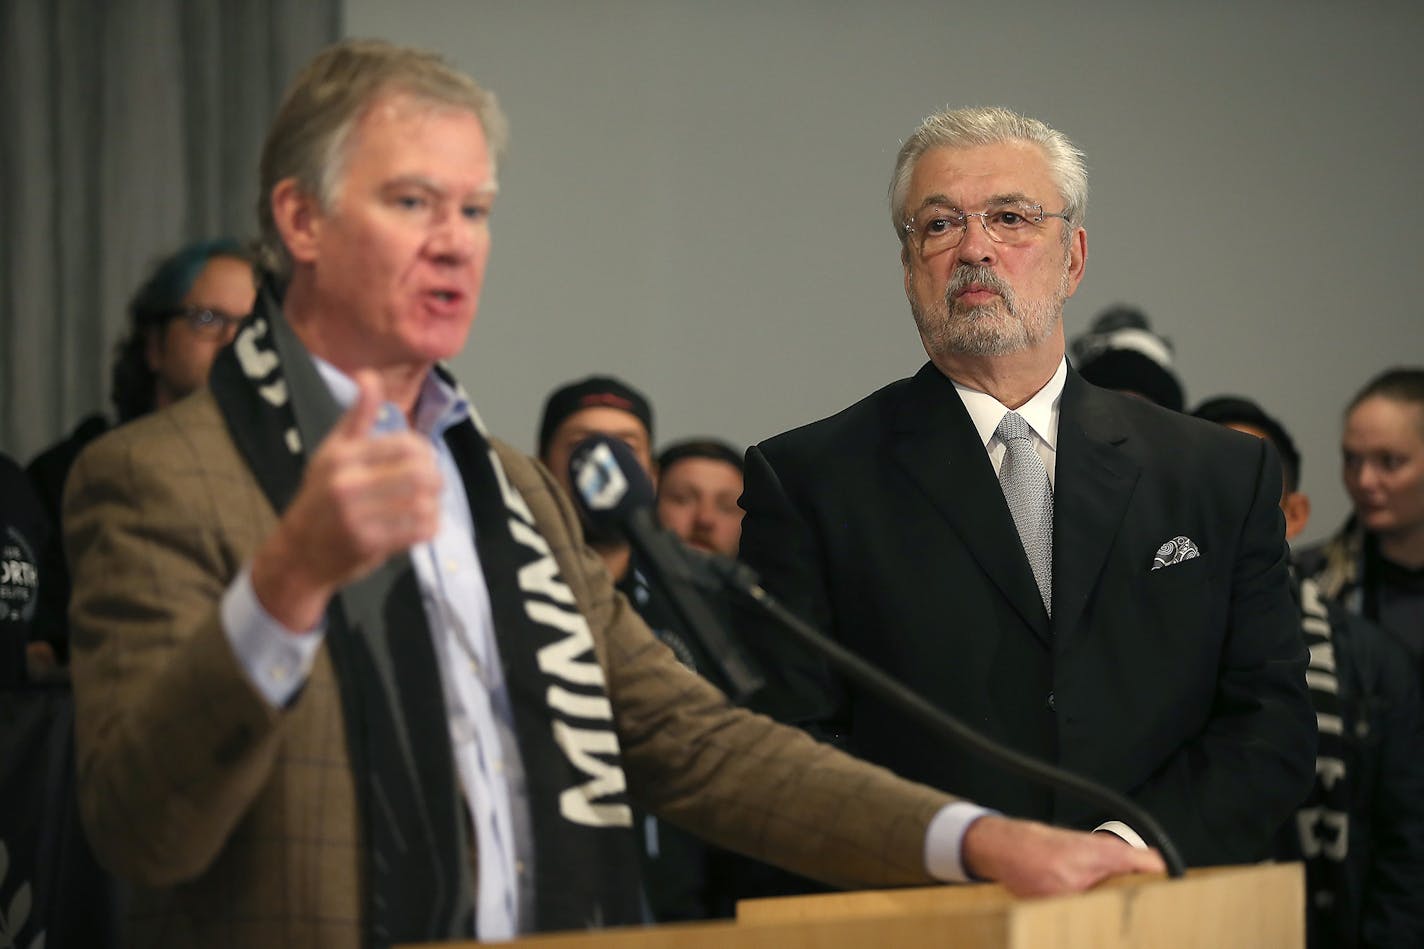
point(1093, 484)
point(936, 443)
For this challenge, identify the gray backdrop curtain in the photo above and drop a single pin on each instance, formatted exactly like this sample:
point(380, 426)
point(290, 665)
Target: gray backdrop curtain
point(127, 127)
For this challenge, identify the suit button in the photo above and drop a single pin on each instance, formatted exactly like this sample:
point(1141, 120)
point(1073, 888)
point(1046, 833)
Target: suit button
point(1051, 703)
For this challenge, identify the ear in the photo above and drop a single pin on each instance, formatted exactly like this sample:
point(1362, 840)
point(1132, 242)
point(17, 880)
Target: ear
point(909, 275)
point(1296, 507)
point(1077, 258)
point(298, 217)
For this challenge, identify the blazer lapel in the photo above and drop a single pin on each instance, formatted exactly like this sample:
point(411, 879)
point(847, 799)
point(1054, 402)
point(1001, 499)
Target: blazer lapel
point(936, 443)
point(1093, 484)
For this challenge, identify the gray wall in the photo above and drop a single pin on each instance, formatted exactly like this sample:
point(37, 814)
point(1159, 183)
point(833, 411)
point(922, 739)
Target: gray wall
point(694, 197)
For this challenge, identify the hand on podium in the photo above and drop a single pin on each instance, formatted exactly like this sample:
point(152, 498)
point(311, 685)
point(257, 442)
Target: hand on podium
point(1032, 859)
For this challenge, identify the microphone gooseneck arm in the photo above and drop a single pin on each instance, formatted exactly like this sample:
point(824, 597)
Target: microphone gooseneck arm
point(743, 579)
point(673, 574)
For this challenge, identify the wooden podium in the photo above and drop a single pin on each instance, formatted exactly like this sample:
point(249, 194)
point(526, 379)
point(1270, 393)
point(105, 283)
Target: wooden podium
point(1251, 907)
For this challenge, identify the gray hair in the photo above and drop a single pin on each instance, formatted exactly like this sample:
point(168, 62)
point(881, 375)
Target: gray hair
point(991, 125)
point(310, 138)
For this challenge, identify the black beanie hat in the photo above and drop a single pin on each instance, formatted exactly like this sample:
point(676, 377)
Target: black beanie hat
point(593, 392)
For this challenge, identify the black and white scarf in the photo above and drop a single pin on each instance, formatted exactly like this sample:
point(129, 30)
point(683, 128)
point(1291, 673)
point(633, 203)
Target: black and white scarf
point(414, 826)
point(1322, 826)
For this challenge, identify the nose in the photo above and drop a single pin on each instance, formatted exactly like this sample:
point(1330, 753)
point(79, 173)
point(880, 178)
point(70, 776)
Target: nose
point(977, 246)
point(452, 239)
point(1367, 476)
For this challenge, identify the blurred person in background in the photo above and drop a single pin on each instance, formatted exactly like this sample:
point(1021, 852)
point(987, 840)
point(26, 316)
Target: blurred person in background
point(1375, 563)
point(699, 482)
point(1120, 351)
point(25, 538)
point(1360, 832)
point(179, 318)
point(597, 405)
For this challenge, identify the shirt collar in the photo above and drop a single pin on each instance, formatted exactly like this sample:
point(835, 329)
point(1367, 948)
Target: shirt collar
point(438, 407)
point(1040, 412)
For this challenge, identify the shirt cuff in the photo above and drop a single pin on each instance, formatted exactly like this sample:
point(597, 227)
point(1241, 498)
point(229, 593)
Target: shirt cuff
point(945, 838)
point(276, 661)
point(1118, 829)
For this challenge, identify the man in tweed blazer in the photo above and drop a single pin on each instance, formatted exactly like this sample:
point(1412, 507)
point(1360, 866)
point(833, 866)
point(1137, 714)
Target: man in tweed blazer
point(258, 586)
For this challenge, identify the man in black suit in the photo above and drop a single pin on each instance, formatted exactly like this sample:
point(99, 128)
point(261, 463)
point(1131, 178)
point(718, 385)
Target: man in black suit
point(1096, 581)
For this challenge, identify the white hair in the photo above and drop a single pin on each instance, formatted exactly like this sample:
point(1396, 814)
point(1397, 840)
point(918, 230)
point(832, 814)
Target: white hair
point(991, 125)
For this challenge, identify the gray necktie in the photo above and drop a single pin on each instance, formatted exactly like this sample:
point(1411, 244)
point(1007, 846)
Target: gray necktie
point(1025, 482)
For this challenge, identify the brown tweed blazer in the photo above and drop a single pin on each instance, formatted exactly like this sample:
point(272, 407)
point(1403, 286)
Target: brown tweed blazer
point(236, 823)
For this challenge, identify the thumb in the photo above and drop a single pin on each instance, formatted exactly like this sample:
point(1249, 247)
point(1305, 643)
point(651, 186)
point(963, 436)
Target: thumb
point(1148, 861)
point(357, 421)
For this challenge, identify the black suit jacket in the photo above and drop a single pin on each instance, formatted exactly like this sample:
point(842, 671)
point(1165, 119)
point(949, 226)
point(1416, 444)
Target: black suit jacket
point(1183, 687)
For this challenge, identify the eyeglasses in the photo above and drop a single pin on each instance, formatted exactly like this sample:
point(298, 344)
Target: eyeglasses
point(207, 322)
point(936, 228)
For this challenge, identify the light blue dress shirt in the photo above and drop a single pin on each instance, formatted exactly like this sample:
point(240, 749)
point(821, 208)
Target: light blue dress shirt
point(457, 610)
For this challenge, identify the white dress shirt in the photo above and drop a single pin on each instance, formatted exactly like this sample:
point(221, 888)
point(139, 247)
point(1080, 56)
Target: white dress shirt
point(1041, 413)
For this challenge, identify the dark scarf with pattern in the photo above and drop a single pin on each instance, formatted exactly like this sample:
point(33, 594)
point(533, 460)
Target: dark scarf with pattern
point(1338, 566)
point(1321, 835)
point(414, 824)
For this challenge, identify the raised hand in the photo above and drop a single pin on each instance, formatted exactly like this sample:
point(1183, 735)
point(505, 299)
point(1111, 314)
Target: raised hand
point(364, 497)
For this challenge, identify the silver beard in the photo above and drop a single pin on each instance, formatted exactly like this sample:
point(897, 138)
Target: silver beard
point(1004, 326)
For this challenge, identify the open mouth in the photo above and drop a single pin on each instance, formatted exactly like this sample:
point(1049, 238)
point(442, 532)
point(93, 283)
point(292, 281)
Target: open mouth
point(445, 298)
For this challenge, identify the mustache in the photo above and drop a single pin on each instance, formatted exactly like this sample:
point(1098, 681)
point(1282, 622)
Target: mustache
point(967, 274)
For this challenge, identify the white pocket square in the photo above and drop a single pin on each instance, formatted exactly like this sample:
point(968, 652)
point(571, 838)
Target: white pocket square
point(1175, 551)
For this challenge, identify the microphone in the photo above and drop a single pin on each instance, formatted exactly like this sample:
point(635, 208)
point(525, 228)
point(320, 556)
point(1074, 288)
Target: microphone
point(615, 495)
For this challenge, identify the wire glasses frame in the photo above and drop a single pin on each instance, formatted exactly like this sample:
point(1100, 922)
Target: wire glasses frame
point(937, 228)
point(205, 321)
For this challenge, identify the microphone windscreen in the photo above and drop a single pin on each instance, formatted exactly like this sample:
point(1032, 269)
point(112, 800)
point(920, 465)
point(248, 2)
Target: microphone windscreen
point(609, 483)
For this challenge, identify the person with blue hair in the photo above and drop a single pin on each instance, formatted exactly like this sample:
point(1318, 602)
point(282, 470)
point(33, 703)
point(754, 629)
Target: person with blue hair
point(186, 311)
point(179, 318)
